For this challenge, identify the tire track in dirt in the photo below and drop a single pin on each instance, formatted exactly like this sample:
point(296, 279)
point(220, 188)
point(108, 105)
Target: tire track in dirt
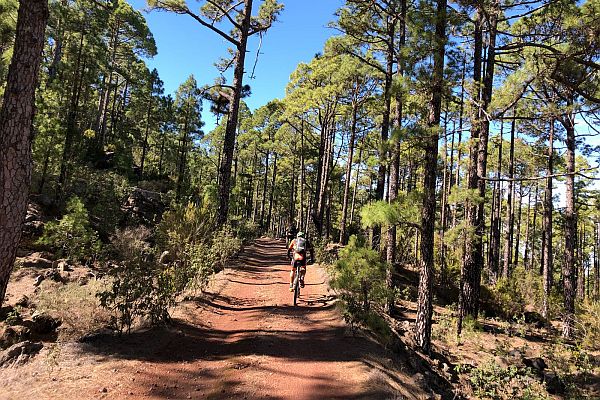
point(242, 339)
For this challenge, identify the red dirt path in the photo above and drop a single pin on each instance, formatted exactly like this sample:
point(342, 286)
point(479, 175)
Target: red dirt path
point(244, 340)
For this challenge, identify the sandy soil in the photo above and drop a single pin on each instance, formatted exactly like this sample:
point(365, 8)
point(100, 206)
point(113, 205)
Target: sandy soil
point(242, 339)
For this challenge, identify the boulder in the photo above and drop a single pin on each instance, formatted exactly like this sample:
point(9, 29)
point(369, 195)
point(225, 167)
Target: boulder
point(44, 323)
point(143, 207)
point(5, 312)
point(54, 275)
point(38, 280)
point(37, 260)
point(13, 334)
point(34, 220)
point(534, 318)
point(62, 266)
point(19, 353)
point(537, 364)
point(23, 301)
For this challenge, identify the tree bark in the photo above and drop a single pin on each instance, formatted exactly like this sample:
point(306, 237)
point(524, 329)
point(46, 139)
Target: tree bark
point(548, 209)
point(343, 234)
point(232, 120)
point(568, 121)
point(425, 302)
point(510, 210)
point(473, 260)
point(16, 130)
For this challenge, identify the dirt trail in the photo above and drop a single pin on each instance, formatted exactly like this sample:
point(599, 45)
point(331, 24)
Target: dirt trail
point(244, 339)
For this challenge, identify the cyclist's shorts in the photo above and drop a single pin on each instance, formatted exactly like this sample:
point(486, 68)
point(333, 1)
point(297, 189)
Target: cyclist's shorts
point(303, 262)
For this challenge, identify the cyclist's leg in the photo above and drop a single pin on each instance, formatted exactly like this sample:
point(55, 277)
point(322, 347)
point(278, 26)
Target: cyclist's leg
point(292, 275)
point(302, 272)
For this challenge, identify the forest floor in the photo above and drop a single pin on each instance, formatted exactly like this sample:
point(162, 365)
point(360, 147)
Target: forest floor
point(242, 339)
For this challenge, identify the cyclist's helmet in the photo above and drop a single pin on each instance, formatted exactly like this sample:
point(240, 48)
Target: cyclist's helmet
point(300, 234)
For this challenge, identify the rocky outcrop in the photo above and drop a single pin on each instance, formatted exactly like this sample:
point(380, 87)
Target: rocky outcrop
point(19, 353)
point(142, 207)
point(37, 260)
point(11, 335)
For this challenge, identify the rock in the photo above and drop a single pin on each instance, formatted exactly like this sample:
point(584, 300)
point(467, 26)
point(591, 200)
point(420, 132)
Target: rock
point(83, 280)
point(19, 353)
point(166, 257)
point(554, 384)
point(55, 276)
point(38, 280)
point(37, 260)
point(44, 323)
point(535, 319)
point(13, 334)
point(106, 160)
point(5, 312)
point(537, 364)
point(515, 354)
point(33, 228)
point(62, 266)
point(23, 301)
point(501, 362)
point(143, 207)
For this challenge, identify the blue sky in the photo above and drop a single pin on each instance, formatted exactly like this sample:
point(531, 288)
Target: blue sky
point(185, 47)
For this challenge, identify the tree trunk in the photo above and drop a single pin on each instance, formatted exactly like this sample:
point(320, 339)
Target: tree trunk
point(264, 191)
point(494, 252)
point(510, 210)
point(71, 122)
point(16, 130)
point(527, 231)
point(232, 121)
point(272, 195)
point(517, 238)
point(425, 303)
point(548, 209)
point(568, 122)
point(146, 133)
point(596, 260)
point(473, 259)
point(385, 127)
point(343, 234)
point(356, 178)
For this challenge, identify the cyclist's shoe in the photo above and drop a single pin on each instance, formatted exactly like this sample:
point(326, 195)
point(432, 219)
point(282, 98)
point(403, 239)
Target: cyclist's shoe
point(301, 284)
point(291, 288)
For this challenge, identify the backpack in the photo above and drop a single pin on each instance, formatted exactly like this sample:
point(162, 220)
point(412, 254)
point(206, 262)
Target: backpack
point(300, 246)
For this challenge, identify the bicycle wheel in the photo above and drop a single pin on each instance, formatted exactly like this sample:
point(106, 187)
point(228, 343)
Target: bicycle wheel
point(296, 289)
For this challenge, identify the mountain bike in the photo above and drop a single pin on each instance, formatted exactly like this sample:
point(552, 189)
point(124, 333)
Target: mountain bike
point(298, 267)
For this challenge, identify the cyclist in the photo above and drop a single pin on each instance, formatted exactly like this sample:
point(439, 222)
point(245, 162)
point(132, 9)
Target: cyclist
point(291, 232)
point(299, 246)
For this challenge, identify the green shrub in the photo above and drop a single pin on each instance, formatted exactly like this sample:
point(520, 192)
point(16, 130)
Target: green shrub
point(140, 286)
point(588, 324)
point(72, 235)
point(184, 225)
point(360, 275)
point(103, 193)
point(224, 246)
point(490, 381)
point(247, 230)
point(506, 299)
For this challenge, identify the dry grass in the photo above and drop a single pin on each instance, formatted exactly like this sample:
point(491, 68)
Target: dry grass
point(76, 306)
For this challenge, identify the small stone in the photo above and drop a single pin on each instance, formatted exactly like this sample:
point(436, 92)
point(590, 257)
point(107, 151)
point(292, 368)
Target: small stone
point(38, 280)
point(104, 390)
point(23, 301)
